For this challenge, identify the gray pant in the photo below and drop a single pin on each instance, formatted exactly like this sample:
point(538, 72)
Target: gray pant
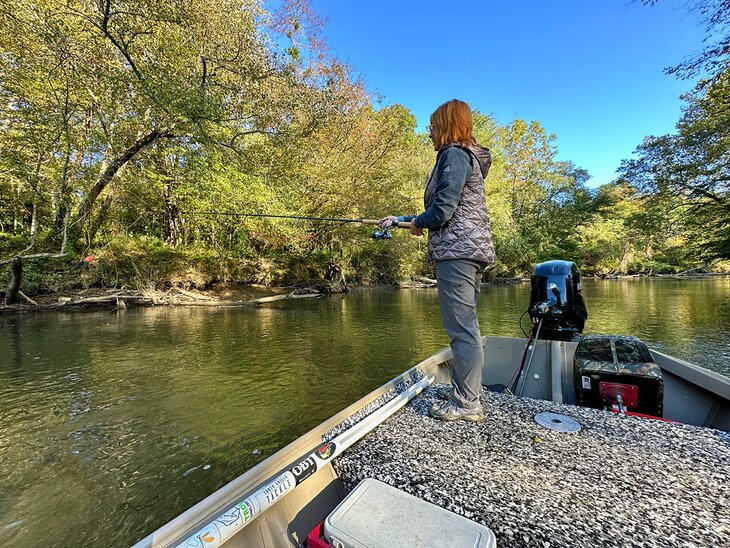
point(458, 287)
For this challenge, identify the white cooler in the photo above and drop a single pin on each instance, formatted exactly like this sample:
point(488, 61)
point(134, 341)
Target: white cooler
point(376, 515)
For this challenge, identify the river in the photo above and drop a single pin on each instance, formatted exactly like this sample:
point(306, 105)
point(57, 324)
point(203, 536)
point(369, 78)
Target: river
point(114, 422)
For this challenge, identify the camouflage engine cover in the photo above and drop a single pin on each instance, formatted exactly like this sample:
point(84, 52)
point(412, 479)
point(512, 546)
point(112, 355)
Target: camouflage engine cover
point(617, 359)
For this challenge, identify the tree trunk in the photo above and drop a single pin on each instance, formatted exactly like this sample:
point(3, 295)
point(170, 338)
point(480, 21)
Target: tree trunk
point(34, 219)
point(16, 274)
point(65, 232)
point(624, 263)
point(99, 221)
point(172, 215)
point(16, 222)
point(34, 205)
point(108, 173)
point(62, 204)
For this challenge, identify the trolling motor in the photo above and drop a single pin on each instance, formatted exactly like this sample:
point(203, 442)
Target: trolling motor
point(556, 301)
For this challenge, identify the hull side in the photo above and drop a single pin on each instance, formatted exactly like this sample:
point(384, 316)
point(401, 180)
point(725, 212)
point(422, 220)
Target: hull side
point(692, 395)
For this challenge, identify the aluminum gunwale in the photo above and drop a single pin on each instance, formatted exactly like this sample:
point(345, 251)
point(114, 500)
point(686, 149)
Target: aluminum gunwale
point(699, 376)
point(196, 516)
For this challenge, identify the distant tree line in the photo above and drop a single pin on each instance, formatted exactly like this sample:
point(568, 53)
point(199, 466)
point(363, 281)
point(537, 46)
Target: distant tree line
point(122, 122)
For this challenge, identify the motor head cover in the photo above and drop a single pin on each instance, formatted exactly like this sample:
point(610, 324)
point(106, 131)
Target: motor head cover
point(556, 298)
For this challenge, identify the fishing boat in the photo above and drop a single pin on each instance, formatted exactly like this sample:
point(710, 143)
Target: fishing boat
point(587, 442)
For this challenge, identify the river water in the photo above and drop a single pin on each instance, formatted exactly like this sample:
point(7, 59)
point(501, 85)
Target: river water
point(114, 422)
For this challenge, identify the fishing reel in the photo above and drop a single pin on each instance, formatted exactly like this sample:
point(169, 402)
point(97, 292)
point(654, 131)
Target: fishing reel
point(381, 234)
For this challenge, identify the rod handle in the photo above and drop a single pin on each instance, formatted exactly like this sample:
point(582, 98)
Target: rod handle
point(376, 222)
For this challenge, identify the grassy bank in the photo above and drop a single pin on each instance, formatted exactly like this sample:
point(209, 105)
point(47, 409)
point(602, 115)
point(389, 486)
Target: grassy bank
point(148, 264)
point(145, 263)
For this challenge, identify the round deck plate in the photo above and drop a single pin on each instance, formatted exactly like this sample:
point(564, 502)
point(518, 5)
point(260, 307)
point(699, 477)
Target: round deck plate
point(554, 421)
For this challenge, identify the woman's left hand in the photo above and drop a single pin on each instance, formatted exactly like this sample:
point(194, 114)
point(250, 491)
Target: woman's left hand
point(415, 230)
point(387, 222)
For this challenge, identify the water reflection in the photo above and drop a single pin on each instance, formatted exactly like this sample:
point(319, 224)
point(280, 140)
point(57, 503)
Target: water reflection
point(113, 423)
point(687, 319)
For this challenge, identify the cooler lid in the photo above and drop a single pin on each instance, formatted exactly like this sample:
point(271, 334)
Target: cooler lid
point(375, 514)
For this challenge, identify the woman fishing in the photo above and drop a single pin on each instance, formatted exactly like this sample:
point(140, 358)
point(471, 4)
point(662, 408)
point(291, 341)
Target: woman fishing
point(460, 244)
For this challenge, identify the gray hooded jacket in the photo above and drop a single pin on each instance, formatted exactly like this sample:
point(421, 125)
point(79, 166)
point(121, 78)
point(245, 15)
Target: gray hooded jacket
point(456, 211)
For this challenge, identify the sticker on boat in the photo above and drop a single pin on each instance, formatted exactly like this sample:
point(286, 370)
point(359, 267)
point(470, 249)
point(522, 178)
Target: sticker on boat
point(279, 487)
point(326, 450)
point(303, 469)
point(586, 382)
point(248, 510)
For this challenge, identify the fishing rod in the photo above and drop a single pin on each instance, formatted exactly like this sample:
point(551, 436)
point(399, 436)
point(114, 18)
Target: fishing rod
point(378, 234)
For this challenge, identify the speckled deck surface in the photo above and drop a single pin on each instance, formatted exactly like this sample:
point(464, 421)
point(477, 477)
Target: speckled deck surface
point(619, 481)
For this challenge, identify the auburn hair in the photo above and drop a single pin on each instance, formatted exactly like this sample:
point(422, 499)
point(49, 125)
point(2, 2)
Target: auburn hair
point(452, 123)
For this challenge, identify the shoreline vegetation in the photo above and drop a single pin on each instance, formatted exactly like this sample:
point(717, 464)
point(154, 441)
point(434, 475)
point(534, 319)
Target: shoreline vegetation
point(134, 161)
point(249, 295)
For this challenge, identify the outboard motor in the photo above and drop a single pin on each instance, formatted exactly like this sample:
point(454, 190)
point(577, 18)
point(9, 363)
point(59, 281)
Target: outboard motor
point(610, 372)
point(557, 311)
point(556, 301)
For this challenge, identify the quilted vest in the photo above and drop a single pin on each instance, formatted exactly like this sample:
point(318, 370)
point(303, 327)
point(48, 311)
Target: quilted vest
point(467, 234)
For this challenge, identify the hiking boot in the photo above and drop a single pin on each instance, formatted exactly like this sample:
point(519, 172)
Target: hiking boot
point(445, 392)
point(449, 411)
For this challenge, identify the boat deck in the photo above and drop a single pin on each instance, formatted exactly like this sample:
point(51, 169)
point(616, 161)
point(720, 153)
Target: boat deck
point(619, 481)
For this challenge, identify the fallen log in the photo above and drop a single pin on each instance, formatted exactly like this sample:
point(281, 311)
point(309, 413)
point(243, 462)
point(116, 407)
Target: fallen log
point(192, 295)
point(34, 256)
point(31, 301)
point(107, 299)
point(276, 298)
point(127, 297)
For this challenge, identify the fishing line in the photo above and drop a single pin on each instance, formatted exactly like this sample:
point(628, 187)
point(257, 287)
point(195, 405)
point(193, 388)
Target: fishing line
point(383, 234)
point(297, 217)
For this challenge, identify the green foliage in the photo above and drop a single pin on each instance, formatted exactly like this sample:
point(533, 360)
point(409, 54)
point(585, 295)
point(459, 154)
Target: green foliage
point(145, 262)
point(10, 243)
point(536, 203)
point(46, 275)
point(691, 169)
point(124, 125)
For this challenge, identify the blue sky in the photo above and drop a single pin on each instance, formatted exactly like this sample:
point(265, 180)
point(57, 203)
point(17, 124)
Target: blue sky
point(589, 71)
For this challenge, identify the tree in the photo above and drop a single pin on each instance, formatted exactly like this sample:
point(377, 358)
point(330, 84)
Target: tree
point(714, 58)
point(535, 201)
point(694, 164)
point(200, 73)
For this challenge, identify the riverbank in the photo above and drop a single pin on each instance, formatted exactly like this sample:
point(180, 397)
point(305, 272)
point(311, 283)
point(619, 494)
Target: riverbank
point(241, 294)
point(692, 273)
point(121, 298)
